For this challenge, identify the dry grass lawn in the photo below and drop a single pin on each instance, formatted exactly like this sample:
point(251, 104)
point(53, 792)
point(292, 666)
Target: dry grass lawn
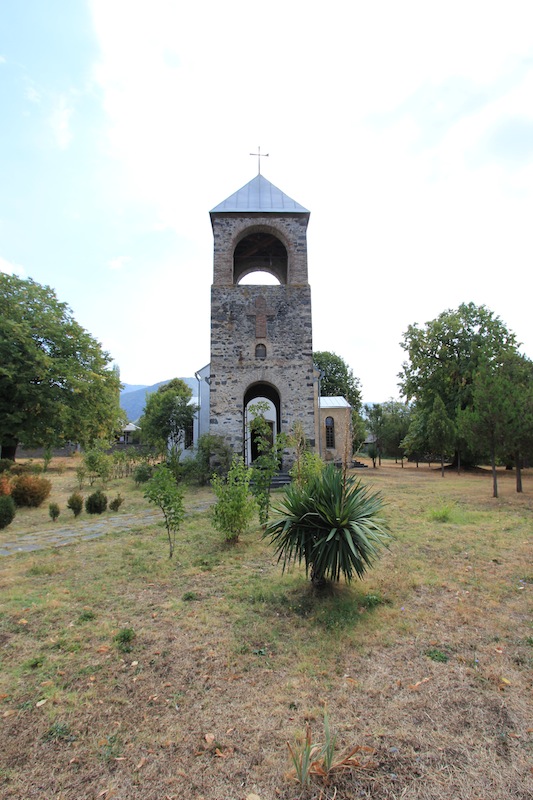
point(127, 675)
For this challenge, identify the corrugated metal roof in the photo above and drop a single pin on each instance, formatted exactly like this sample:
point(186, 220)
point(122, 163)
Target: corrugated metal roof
point(334, 402)
point(259, 195)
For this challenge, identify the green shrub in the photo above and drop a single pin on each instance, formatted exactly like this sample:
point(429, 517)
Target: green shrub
point(333, 524)
point(6, 464)
point(115, 504)
point(213, 455)
point(30, 490)
point(96, 503)
point(142, 473)
point(235, 507)
point(53, 510)
point(307, 467)
point(6, 487)
point(28, 468)
point(7, 511)
point(75, 503)
point(124, 639)
point(98, 465)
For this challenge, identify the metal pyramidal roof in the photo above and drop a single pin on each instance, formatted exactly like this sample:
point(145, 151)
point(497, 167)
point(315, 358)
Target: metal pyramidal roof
point(259, 196)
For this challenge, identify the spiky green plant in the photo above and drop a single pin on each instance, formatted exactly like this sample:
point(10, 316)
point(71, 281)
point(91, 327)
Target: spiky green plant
point(333, 524)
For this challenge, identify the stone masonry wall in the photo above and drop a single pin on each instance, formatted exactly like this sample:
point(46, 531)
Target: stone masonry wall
point(237, 325)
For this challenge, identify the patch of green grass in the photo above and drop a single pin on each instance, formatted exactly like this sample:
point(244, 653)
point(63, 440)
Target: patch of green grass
point(124, 639)
point(86, 615)
point(59, 731)
point(437, 655)
point(189, 596)
point(34, 663)
point(442, 513)
point(42, 569)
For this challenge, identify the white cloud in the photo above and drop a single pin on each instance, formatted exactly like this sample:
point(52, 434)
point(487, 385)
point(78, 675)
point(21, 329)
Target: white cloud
point(119, 262)
point(423, 199)
point(10, 268)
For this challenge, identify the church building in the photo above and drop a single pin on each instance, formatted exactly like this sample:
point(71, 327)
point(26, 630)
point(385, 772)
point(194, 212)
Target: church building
point(262, 335)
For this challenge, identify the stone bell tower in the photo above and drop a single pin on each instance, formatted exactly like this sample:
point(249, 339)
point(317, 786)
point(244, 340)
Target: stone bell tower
point(261, 336)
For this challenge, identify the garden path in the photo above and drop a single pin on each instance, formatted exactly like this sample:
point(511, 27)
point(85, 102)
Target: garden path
point(81, 530)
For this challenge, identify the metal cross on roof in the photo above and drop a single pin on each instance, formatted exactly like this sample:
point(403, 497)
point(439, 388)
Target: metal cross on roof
point(259, 155)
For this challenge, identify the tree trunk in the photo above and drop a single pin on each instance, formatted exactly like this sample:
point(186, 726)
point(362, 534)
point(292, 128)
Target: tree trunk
point(494, 474)
point(442, 465)
point(318, 580)
point(8, 448)
point(518, 473)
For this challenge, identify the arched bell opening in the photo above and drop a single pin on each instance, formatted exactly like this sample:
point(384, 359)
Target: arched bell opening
point(267, 397)
point(260, 252)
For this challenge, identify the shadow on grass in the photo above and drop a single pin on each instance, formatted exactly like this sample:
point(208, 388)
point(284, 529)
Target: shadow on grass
point(332, 607)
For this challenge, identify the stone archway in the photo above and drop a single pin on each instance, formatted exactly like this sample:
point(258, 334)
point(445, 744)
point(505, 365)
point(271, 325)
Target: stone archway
point(268, 395)
point(260, 251)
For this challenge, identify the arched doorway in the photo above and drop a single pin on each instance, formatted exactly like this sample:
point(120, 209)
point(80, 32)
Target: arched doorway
point(267, 396)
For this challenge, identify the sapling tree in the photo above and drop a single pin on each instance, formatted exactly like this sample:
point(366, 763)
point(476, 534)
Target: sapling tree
point(162, 490)
point(266, 463)
point(235, 507)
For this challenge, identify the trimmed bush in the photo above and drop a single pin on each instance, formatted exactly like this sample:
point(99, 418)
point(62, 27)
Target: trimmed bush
point(30, 490)
point(75, 503)
point(96, 503)
point(115, 504)
point(6, 486)
point(53, 510)
point(27, 468)
point(7, 511)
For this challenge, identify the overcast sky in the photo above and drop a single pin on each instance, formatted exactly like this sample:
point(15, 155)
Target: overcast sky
point(405, 127)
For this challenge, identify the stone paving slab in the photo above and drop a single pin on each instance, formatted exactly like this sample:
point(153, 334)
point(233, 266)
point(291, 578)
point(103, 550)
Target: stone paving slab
point(85, 529)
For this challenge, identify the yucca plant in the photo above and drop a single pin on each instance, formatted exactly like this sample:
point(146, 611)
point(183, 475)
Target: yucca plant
point(333, 524)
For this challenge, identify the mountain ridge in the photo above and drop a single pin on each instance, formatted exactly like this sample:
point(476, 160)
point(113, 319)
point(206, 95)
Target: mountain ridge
point(133, 396)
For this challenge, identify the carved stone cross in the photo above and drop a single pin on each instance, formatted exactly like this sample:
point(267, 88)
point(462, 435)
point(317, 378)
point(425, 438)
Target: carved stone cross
point(260, 312)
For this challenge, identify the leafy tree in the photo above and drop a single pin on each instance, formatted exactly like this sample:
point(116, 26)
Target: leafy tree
point(167, 414)
point(55, 383)
point(337, 378)
point(396, 417)
point(445, 354)
point(415, 442)
point(162, 490)
point(441, 431)
point(333, 524)
point(375, 423)
point(501, 416)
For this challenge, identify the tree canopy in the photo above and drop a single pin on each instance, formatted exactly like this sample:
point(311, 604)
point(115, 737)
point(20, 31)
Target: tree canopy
point(337, 378)
point(167, 415)
point(55, 381)
point(444, 358)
